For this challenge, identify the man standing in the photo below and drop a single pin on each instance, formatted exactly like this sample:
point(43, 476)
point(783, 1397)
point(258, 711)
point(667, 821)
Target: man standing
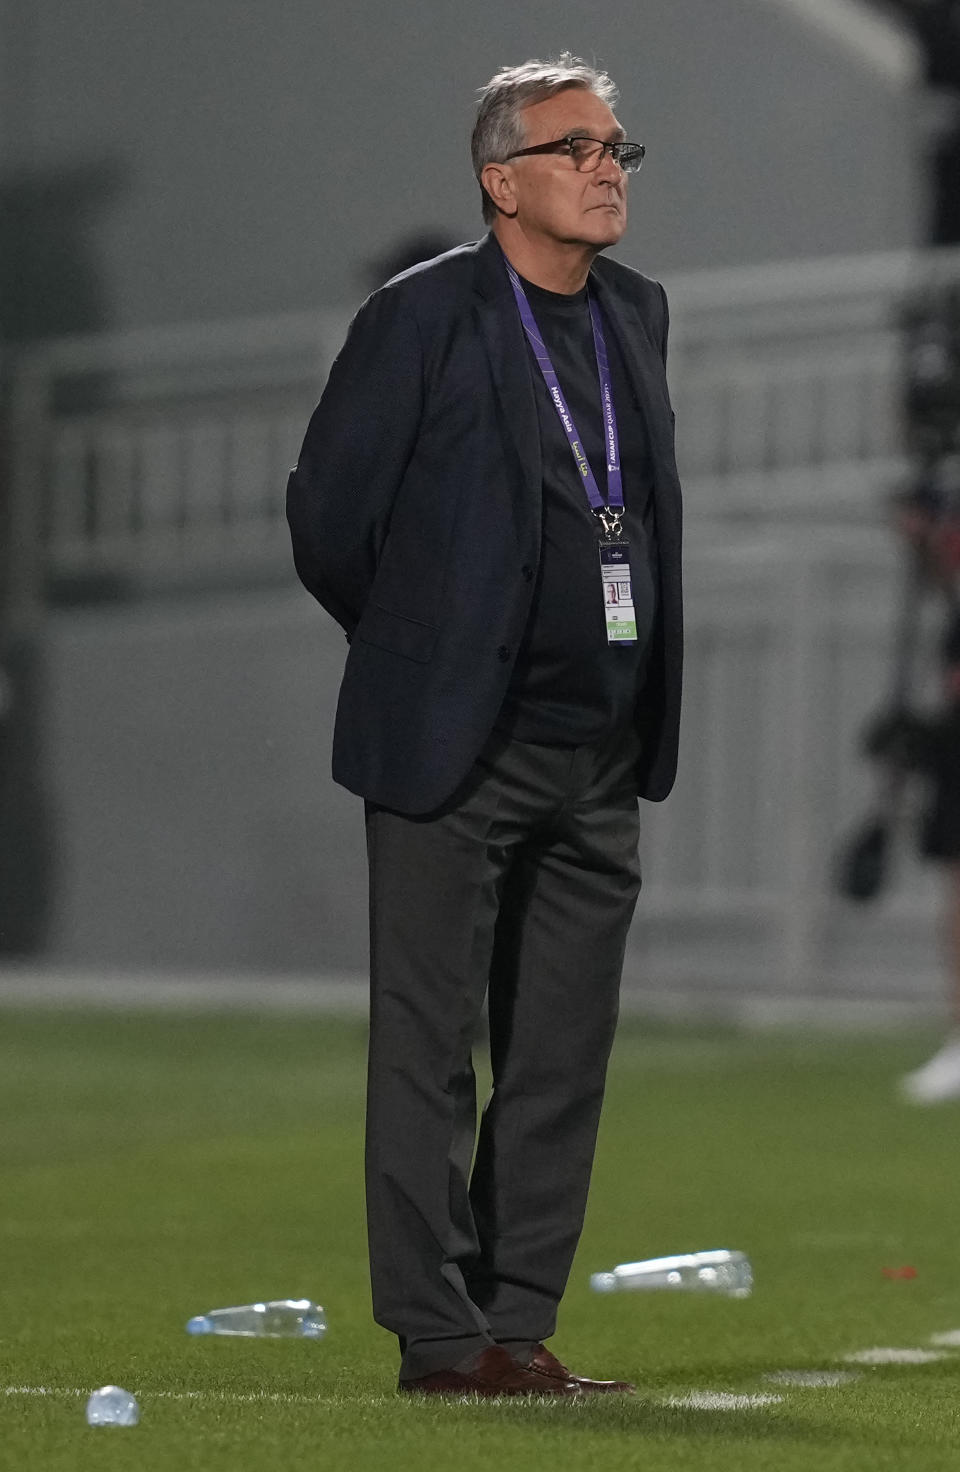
point(492, 454)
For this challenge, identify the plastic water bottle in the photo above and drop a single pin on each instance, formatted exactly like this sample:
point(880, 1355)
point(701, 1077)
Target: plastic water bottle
point(111, 1406)
point(280, 1318)
point(698, 1272)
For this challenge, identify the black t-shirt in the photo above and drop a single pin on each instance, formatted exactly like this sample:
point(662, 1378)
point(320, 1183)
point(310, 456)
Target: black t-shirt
point(569, 686)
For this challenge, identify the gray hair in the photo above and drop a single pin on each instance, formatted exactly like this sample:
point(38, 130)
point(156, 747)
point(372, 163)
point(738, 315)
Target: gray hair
point(499, 130)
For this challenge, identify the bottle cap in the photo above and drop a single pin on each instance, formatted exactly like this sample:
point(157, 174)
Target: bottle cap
point(603, 1282)
point(199, 1324)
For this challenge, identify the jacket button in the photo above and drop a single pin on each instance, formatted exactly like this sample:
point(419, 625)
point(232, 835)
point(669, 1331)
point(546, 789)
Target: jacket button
point(503, 654)
point(527, 572)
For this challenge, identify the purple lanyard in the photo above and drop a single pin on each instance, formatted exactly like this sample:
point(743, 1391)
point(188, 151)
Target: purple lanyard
point(614, 499)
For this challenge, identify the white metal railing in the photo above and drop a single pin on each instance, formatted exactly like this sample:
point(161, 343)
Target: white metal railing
point(162, 455)
point(788, 647)
point(788, 642)
point(153, 455)
point(787, 382)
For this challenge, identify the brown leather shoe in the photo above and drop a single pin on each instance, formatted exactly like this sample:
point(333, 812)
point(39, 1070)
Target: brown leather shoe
point(546, 1364)
point(493, 1372)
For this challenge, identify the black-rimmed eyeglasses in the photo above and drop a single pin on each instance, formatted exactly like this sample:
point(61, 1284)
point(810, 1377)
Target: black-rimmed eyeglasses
point(587, 153)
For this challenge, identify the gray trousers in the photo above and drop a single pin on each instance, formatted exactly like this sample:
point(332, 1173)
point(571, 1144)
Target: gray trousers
point(521, 890)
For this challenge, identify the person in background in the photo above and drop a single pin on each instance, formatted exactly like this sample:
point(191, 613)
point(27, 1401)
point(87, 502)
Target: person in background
point(495, 444)
point(928, 744)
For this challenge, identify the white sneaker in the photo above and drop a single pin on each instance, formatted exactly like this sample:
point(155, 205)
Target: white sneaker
point(938, 1079)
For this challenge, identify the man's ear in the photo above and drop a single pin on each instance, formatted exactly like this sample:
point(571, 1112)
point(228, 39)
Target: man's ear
point(497, 180)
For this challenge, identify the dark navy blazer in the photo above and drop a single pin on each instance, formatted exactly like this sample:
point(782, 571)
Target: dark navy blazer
point(415, 516)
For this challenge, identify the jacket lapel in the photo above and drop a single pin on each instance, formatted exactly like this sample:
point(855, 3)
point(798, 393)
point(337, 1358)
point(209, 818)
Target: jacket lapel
point(642, 357)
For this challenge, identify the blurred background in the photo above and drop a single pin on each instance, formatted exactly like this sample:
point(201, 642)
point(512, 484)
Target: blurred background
point(194, 199)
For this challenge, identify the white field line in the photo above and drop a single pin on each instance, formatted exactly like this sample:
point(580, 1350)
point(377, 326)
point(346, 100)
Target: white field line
point(721, 1400)
point(694, 1400)
point(344, 992)
point(347, 993)
point(230, 1397)
point(224, 1397)
point(813, 1379)
point(881, 1355)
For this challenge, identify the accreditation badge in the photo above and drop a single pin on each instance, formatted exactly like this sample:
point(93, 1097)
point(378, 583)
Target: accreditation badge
point(621, 619)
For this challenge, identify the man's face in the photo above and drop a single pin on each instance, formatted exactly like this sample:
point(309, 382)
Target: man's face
point(554, 199)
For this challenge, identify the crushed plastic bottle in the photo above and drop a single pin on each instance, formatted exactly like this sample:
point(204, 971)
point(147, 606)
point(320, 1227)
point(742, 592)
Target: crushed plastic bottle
point(719, 1271)
point(280, 1318)
point(111, 1406)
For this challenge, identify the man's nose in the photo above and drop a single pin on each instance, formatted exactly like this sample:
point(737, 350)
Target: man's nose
point(608, 171)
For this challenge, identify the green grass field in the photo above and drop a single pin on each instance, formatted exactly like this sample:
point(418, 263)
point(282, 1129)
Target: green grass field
point(154, 1166)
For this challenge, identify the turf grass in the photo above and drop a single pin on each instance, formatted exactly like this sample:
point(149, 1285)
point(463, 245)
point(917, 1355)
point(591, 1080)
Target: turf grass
point(153, 1166)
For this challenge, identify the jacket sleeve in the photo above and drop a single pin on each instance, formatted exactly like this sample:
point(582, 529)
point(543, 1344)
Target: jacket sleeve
point(357, 447)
